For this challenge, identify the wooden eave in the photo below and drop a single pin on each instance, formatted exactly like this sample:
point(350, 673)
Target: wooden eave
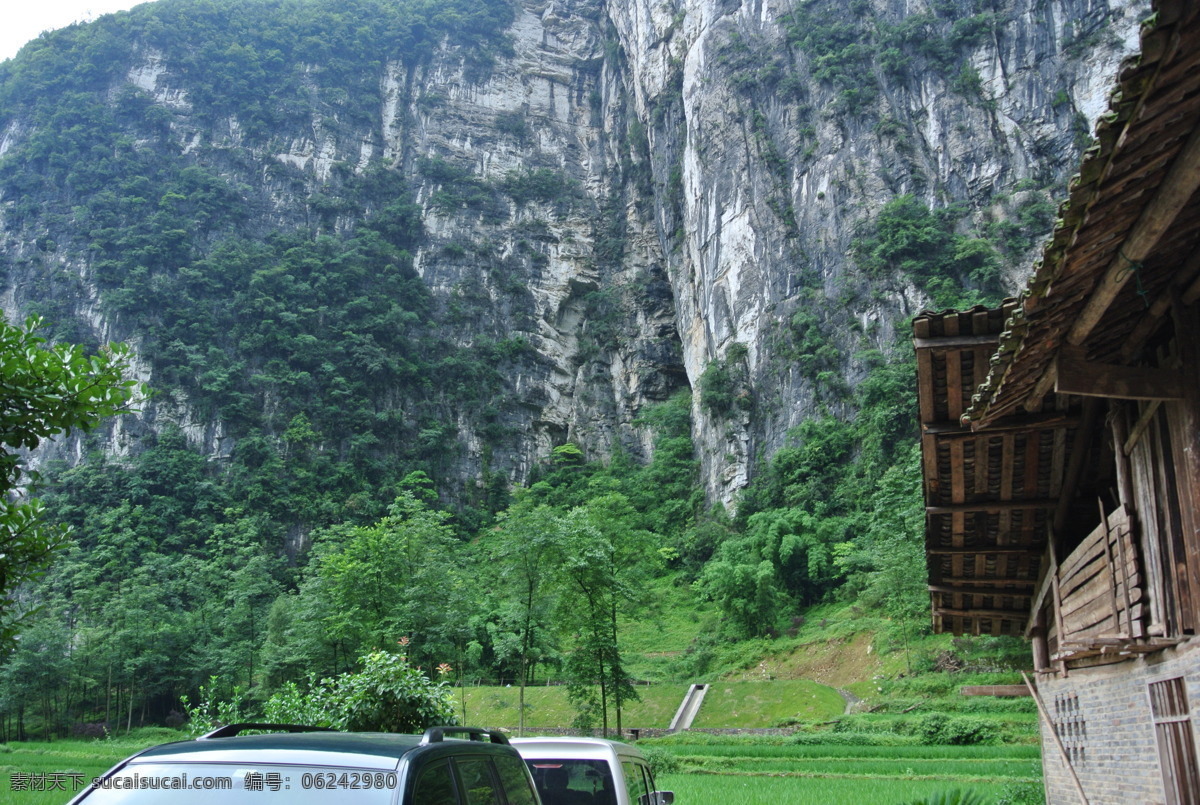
point(1128, 238)
point(988, 493)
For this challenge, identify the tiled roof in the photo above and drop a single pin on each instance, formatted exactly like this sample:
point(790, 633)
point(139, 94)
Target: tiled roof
point(1154, 113)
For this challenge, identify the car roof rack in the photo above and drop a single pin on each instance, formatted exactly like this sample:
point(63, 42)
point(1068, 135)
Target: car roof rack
point(230, 730)
point(438, 734)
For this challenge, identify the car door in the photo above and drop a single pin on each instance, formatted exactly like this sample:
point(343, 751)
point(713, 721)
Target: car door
point(515, 779)
point(435, 785)
point(639, 783)
point(635, 781)
point(478, 780)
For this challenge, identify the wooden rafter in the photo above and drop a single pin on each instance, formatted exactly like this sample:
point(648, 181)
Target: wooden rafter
point(1014, 424)
point(1180, 183)
point(991, 506)
point(1074, 375)
point(957, 341)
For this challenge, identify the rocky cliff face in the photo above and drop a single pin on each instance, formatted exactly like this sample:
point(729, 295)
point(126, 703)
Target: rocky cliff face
point(682, 178)
point(779, 166)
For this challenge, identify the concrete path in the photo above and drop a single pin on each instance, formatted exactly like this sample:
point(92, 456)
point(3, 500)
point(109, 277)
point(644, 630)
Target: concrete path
point(849, 697)
point(688, 708)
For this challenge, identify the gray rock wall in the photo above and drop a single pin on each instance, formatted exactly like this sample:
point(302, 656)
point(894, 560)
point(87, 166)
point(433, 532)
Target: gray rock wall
point(717, 176)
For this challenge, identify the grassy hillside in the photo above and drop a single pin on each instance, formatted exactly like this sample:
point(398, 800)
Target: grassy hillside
point(547, 706)
point(767, 704)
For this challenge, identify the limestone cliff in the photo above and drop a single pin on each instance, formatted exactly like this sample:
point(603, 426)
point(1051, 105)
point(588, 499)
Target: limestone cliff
point(658, 188)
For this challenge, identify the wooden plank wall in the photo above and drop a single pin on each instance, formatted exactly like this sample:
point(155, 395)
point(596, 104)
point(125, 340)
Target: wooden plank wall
point(1101, 585)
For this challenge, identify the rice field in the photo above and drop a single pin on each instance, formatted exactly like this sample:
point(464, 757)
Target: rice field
point(734, 773)
point(54, 762)
point(692, 788)
point(755, 773)
point(818, 765)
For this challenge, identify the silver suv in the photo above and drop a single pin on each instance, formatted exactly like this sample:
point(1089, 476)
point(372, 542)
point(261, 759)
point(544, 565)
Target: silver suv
point(590, 771)
point(311, 766)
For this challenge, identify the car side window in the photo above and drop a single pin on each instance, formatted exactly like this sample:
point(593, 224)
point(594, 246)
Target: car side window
point(651, 786)
point(515, 780)
point(635, 782)
point(435, 786)
point(477, 781)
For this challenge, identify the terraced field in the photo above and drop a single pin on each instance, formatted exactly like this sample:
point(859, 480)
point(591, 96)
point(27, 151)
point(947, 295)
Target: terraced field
point(743, 772)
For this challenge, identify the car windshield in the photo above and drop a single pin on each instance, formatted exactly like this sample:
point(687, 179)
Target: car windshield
point(238, 783)
point(573, 782)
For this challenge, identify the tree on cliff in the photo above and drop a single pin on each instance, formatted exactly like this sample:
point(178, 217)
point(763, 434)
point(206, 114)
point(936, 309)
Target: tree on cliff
point(44, 390)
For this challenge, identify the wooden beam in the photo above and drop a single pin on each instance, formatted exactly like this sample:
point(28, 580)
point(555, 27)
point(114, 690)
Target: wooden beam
point(1185, 432)
point(1005, 425)
point(975, 580)
point(1189, 273)
point(1111, 641)
point(1091, 379)
point(991, 506)
point(984, 551)
point(1010, 691)
point(1140, 427)
point(1182, 179)
point(925, 394)
point(1060, 628)
point(1011, 614)
point(991, 592)
point(1046, 577)
point(1111, 567)
point(1033, 403)
point(1041, 649)
point(1080, 448)
point(956, 341)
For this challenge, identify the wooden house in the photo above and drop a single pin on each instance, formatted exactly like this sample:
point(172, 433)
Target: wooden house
point(1061, 447)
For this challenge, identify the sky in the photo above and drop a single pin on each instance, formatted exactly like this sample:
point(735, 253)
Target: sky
point(23, 20)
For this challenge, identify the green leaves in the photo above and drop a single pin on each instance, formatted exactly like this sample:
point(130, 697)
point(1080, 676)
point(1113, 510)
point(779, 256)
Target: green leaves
point(386, 695)
point(920, 244)
point(44, 391)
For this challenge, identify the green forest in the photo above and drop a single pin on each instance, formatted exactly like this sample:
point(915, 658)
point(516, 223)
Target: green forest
point(333, 529)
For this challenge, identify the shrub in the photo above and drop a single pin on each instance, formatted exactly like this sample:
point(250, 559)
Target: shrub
point(938, 728)
point(954, 796)
point(661, 761)
point(208, 713)
point(716, 388)
point(387, 695)
point(1022, 794)
point(853, 739)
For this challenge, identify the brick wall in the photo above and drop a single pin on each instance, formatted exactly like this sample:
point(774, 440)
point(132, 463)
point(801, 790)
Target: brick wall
point(1103, 718)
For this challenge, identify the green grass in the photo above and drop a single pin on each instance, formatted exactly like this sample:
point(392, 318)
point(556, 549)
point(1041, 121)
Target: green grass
point(757, 770)
point(758, 790)
point(91, 758)
point(764, 704)
point(731, 770)
point(653, 642)
point(547, 706)
point(949, 754)
point(964, 770)
point(727, 704)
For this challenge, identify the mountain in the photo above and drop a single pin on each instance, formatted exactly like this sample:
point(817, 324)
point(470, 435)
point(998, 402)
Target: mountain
point(515, 333)
point(454, 236)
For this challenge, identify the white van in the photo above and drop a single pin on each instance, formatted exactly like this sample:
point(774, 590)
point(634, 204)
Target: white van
point(590, 771)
